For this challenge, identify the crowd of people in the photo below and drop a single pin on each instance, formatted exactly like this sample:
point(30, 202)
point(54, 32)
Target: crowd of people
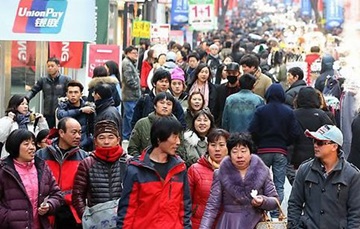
point(186, 138)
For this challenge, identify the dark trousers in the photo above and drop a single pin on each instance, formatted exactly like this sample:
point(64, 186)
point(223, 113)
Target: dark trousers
point(50, 120)
point(64, 219)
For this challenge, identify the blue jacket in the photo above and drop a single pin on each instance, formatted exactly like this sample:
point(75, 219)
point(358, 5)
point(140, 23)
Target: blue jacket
point(274, 125)
point(239, 110)
point(66, 109)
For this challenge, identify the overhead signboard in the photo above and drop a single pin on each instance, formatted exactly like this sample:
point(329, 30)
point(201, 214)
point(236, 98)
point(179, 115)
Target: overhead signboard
point(202, 14)
point(160, 33)
point(47, 20)
point(99, 54)
point(179, 12)
point(141, 29)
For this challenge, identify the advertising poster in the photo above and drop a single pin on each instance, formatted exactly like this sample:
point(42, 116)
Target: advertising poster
point(47, 20)
point(202, 14)
point(99, 54)
point(334, 15)
point(179, 12)
point(306, 9)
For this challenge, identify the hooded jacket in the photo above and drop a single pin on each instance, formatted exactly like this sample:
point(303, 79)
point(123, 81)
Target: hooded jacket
point(327, 64)
point(274, 126)
point(101, 80)
point(310, 117)
point(148, 201)
point(15, 207)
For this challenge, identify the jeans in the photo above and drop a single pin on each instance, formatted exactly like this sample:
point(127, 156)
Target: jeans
point(278, 162)
point(127, 116)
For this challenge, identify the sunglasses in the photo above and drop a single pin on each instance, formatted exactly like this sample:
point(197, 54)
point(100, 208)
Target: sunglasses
point(321, 143)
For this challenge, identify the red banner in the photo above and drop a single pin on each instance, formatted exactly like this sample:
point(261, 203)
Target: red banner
point(99, 54)
point(69, 53)
point(23, 53)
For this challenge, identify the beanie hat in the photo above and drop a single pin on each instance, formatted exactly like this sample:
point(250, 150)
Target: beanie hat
point(178, 74)
point(106, 126)
point(104, 90)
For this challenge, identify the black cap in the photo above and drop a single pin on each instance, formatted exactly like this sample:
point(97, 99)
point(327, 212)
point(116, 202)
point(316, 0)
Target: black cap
point(233, 67)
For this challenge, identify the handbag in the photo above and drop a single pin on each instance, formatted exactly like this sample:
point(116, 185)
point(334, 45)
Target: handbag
point(101, 216)
point(266, 222)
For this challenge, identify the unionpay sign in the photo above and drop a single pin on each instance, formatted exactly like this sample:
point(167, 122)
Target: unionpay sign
point(48, 20)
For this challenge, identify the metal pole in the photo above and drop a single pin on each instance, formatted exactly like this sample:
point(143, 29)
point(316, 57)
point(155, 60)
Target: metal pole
point(125, 25)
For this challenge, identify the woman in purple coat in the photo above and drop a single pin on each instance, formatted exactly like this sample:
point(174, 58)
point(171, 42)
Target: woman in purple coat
point(28, 190)
point(242, 188)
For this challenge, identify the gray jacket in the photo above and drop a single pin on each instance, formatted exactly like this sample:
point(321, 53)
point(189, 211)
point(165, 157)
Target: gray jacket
point(52, 90)
point(130, 81)
point(317, 202)
point(293, 91)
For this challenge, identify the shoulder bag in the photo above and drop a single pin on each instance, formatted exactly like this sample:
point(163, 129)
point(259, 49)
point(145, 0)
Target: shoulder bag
point(103, 215)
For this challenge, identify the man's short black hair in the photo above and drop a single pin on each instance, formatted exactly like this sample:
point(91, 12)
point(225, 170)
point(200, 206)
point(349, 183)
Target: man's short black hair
point(296, 71)
point(129, 49)
point(163, 128)
point(194, 55)
point(53, 59)
point(247, 81)
point(160, 74)
point(164, 96)
point(14, 140)
point(75, 83)
point(250, 60)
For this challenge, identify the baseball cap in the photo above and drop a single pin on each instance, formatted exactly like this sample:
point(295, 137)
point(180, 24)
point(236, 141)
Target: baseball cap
point(233, 66)
point(325, 133)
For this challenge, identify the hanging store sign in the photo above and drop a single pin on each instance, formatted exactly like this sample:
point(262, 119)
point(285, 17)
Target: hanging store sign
point(69, 53)
point(99, 54)
point(334, 13)
point(202, 14)
point(160, 33)
point(179, 12)
point(141, 29)
point(48, 20)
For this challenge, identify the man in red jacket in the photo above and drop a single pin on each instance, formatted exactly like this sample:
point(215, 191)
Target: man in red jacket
point(63, 157)
point(156, 192)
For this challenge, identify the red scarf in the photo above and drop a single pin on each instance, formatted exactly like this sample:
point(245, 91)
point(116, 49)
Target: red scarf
point(109, 154)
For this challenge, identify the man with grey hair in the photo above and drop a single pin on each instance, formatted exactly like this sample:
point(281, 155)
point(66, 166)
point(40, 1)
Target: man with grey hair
point(325, 190)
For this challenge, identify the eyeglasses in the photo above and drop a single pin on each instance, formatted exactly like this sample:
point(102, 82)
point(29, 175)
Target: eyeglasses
point(321, 143)
point(136, 53)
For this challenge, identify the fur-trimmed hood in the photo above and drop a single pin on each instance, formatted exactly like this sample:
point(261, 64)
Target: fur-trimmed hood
point(239, 188)
point(105, 79)
point(192, 138)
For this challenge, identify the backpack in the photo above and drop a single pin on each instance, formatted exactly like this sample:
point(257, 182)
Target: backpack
point(332, 87)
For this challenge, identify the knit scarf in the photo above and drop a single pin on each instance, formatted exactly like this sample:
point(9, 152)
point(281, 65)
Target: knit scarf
point(23, 120)
point(204, 90)
point(213, 163)
point(109, 154)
